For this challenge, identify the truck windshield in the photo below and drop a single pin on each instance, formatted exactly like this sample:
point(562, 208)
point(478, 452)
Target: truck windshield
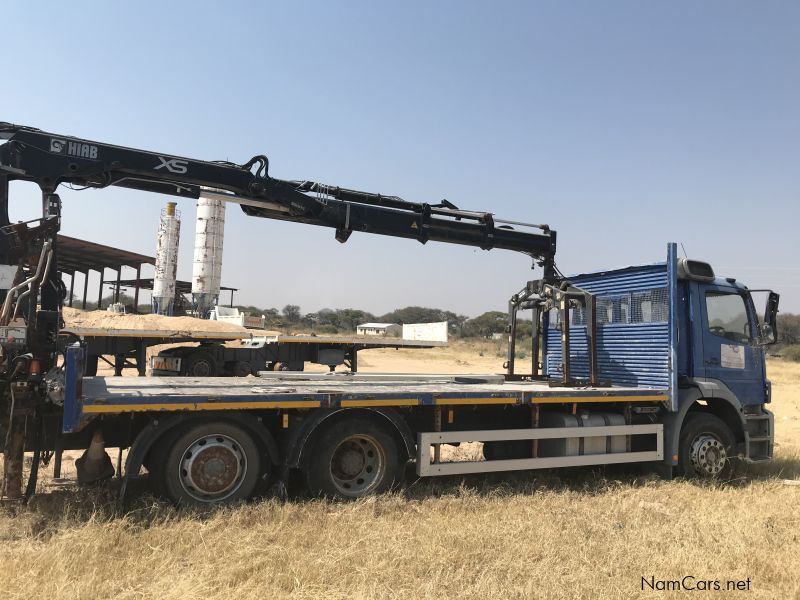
point(727, 316)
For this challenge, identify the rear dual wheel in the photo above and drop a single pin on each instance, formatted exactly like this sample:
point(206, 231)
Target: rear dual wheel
point(352, 458)
point(207, 464)
point(200, 364)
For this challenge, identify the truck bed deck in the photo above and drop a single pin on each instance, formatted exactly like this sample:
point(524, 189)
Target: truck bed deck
point(356, 340)
point(129, 394)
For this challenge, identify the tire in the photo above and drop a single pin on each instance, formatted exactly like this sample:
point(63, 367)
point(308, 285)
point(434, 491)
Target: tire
point(91, 365)
point(200, 364)
point(242, 368)
point(353, 458)
point(706, 449)
point(208, 464)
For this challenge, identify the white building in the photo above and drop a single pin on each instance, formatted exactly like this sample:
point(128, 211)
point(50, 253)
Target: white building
point(381, 329)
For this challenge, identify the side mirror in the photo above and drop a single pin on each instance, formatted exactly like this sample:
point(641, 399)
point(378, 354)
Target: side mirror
point(767, 335)
point(769, 331)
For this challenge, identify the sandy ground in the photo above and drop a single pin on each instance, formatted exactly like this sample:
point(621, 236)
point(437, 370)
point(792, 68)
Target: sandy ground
point(74, 317)
point(565, 534)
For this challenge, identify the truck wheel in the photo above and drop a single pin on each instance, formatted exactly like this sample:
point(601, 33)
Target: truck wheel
point(91, 365)
point(209, 463)
point(706, 448)
point(242, 369)
point(200, 364)
point(353, 458)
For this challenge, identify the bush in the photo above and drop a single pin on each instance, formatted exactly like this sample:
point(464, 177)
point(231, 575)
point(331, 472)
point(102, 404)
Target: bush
point(327, 329)
point(790, 352)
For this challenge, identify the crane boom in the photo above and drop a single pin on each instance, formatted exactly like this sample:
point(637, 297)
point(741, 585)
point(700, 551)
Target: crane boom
point(50, 160)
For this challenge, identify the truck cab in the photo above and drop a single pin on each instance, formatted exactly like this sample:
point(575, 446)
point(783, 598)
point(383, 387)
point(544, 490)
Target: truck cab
point(677, 326)
point(722, 366)
point(725, 336)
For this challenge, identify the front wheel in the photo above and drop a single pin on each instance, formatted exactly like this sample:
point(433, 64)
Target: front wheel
point(353, 458)
point(707, 448)
point(209, 463)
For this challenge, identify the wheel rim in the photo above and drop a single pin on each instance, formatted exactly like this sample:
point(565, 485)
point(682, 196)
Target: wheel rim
point(357, 465)
point(212, 468)
point(201, 368)
point(708, 455)
point(243, 369)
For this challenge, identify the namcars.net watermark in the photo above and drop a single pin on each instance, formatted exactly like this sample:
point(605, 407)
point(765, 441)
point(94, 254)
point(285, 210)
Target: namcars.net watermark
point(692, 583)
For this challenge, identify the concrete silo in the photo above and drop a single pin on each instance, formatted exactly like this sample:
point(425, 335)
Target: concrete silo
point(207, 265)
point(166, 260)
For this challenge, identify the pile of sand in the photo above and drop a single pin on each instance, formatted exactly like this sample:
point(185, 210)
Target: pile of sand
point(108, 320)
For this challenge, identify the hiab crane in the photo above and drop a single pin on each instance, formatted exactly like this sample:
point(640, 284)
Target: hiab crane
point(661, 363)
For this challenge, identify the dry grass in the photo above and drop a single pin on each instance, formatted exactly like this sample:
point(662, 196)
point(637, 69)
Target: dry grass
point(577, 534)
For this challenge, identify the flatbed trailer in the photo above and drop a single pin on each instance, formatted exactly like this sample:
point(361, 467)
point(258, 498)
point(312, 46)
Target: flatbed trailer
point(128, 347)
point(208, 354)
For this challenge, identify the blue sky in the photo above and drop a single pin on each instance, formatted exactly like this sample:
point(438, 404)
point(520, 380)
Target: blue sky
point(624, 125)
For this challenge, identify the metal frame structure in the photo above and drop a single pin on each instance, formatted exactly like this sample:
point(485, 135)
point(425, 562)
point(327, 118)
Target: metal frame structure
point(81, 256)
point(183, 288)
point(540, 296)
point(426, 467)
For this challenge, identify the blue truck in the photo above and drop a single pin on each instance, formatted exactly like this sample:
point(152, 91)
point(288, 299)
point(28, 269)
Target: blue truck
point(660, 364)
point(682, 385)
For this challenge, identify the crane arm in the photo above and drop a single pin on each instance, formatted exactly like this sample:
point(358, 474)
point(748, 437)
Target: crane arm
point(50, 160)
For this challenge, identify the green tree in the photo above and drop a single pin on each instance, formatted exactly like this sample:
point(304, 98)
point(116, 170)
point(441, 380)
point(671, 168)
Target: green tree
point(420, 314)
point(486, 324)
point(789, 328)
point(291, 312)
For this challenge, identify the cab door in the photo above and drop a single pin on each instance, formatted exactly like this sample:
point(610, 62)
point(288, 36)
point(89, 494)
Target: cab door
point(729, 354)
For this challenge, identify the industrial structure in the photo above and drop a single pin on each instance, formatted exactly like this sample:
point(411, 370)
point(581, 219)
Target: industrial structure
point(81, 257)
point(166, 268)
point(207, 264)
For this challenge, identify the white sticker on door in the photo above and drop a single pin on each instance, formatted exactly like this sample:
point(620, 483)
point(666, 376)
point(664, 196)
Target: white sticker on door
point(732, 356)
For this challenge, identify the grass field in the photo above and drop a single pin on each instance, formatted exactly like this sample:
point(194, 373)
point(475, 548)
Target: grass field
point(568, 534)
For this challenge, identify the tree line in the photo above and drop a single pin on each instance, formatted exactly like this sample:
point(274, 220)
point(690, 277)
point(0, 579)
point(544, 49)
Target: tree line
point(345, 320)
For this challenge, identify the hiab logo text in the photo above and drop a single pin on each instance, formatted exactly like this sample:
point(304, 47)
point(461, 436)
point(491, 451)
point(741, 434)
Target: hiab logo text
point(73, 148)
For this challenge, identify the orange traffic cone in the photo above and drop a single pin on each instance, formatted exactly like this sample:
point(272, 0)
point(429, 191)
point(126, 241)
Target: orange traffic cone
point(94, 464)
